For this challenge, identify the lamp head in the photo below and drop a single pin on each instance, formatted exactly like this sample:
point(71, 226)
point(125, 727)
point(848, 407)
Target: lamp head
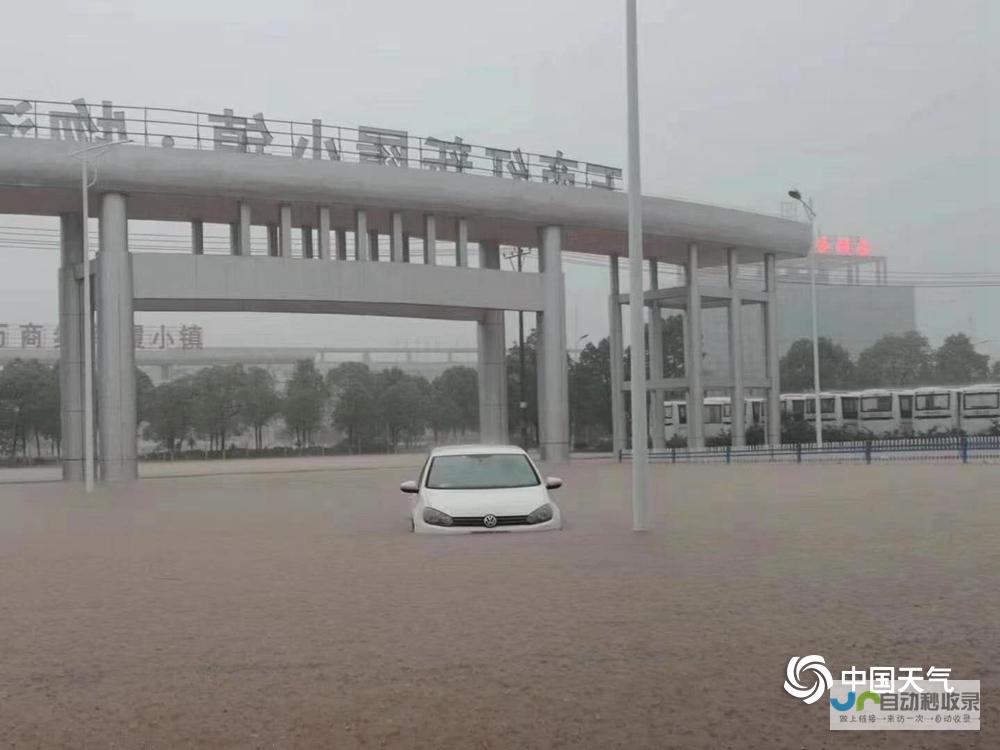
point(795, 194)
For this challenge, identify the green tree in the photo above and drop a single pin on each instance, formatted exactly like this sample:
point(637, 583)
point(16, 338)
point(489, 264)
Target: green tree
point(673, 346)
point(259, 402)
point(443, 416)
point(836, 369)
point(143, 394)
point(402, 405)
point(29, 405)
point(170, 413)
point(305, 398)
point(353, 389)
point(956, 361)
point(895, 361)
point(518, 418)
point(218, 406)
point(590, 394)
point(995, 371)
point(462, 385)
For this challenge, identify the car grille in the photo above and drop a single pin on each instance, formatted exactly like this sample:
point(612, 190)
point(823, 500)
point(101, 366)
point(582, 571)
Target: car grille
point(478, 521)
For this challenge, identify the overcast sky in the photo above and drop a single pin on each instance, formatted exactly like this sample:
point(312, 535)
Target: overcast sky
point(885, 111)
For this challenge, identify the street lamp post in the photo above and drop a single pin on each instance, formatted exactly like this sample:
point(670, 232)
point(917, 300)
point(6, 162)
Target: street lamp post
point(640, 455)
point(796, 195)
point(88, 364)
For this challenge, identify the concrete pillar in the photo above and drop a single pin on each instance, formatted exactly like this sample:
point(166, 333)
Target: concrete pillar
point(656, 410)
point(553, 391)
point(307, 241)
point(489, 255)
point(285, 231)
point(361, 249)
point(617, 357)
point(771, 353)
point(243, 229)
point(323, 232)
point(198, 237)
point(462, 243)
point(696, 394)
point(115, 353)
point(71, 322)
point(273, 246)
point(373, 248)
point(406, 247)
point(396, 237)
point(341, 235)
point(492, 341)
point(736, 350)
point(430, 240)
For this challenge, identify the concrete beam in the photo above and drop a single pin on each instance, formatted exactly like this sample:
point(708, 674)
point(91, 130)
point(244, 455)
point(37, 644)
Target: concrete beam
point(220, 283)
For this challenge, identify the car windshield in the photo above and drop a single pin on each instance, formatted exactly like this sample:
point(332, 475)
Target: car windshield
point(480, 471)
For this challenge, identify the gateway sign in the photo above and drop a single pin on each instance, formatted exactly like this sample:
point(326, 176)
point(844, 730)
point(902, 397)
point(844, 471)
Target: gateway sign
point(255, 134)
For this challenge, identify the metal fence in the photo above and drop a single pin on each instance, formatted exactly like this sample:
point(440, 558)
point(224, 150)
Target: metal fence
point(254, 133)
point(960, 448)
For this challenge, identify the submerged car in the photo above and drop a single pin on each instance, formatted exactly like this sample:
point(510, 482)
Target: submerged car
point(479, 488)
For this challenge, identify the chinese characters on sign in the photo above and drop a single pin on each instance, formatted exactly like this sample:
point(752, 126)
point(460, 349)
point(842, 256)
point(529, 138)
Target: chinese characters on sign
point(35, 336)
point(227, 131)
point(859, 246)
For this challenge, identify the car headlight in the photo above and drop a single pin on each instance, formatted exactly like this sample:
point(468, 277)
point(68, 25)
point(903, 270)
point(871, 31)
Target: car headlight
point(436, 518)
point(541, 514)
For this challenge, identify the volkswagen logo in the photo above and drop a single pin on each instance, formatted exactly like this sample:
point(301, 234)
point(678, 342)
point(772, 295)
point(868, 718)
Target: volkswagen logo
point(489, 521)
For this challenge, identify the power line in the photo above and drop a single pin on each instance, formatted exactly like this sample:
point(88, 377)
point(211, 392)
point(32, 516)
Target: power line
point(46, 238)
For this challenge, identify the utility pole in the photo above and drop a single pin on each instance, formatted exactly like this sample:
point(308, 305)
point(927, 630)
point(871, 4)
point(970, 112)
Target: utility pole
point(522, 401)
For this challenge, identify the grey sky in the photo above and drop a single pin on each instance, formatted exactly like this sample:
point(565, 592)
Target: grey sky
point(885, 112)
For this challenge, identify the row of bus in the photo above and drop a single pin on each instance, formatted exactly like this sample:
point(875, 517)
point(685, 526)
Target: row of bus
point(971, 409)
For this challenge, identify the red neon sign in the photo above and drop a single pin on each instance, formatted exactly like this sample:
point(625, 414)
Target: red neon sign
point(859, 246)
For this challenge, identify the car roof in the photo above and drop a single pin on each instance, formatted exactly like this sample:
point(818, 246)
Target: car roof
point(465, 450)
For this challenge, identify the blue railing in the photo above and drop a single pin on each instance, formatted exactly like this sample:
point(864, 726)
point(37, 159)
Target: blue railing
point(962, 448)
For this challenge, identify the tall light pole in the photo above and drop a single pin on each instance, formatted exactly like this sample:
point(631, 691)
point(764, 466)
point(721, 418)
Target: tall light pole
point(88, 356)
point(640, 456)
point(795, 194)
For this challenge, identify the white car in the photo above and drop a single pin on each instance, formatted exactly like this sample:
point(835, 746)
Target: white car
point(470, 488)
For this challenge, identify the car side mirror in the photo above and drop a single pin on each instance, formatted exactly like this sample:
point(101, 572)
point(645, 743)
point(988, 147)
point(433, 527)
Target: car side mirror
point(409, 486)
point(553, 483)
